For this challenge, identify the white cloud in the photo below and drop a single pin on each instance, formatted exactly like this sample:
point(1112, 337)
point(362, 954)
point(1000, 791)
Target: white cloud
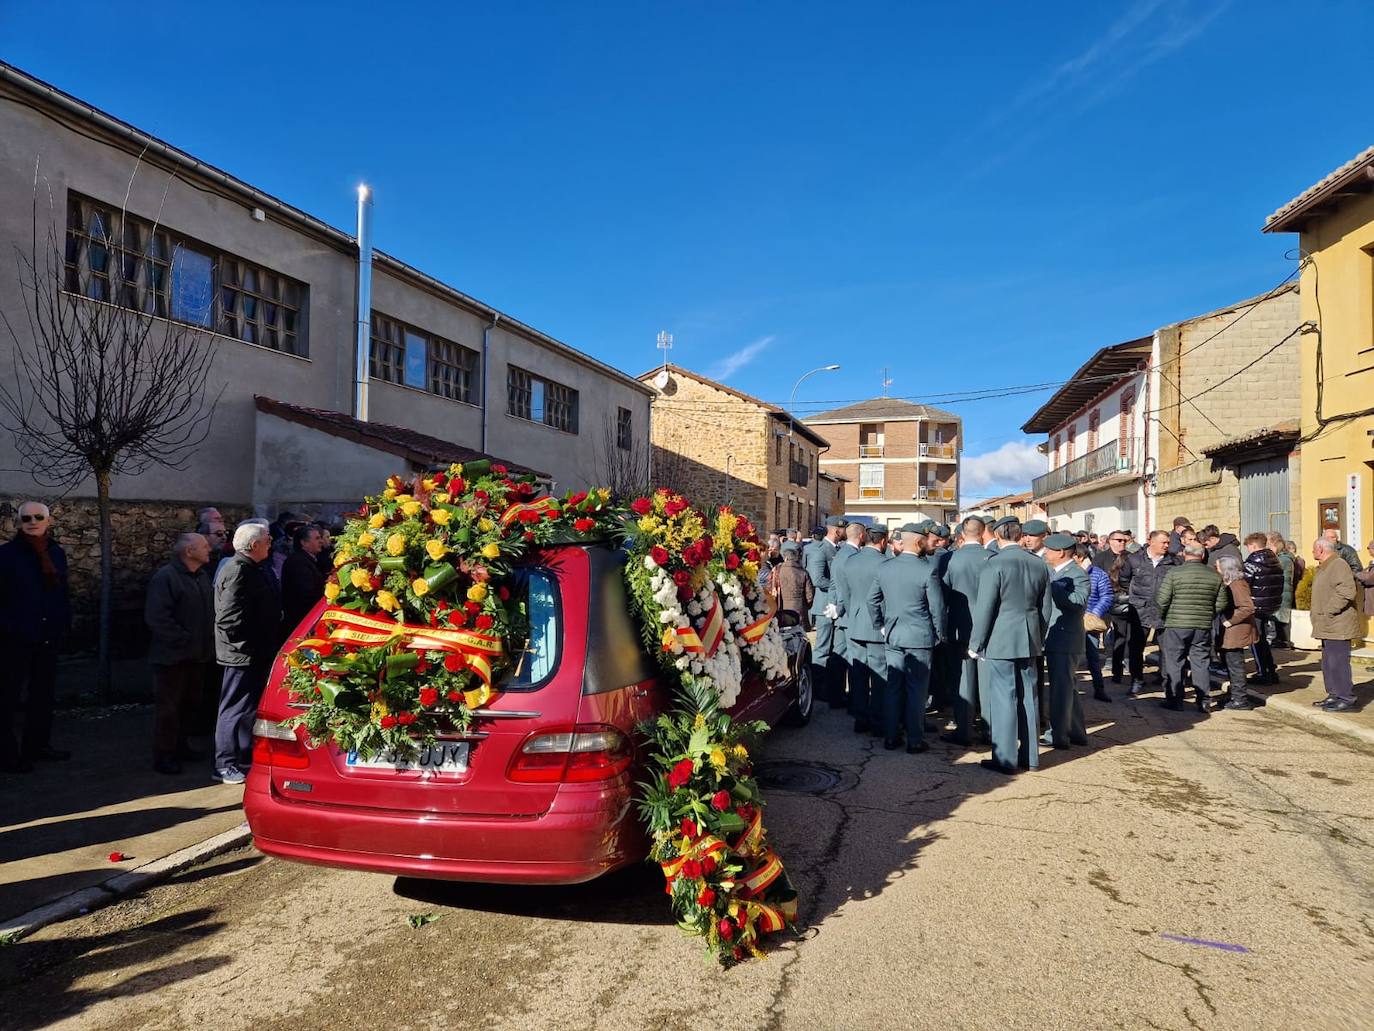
point(1007, 470)
point(732, 363)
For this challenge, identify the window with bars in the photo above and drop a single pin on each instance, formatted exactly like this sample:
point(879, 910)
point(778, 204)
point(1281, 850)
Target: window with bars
point(624, 429)
point(539, 400)
point(386, 360)
point(409, 356)
point(452, 370)
point(122, 259)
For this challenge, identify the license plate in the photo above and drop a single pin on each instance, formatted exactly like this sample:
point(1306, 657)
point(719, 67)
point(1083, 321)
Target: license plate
point(439, 758)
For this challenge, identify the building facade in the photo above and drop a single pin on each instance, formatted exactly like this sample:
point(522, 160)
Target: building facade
point(1334, 220)
point(719, 446)
point(1021, 506)
point(1098, 443)
point(127, 222)
point(901, 459)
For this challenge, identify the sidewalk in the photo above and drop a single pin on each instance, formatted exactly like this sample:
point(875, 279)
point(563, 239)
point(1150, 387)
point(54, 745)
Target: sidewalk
point(1300, 685)
point(59, 824)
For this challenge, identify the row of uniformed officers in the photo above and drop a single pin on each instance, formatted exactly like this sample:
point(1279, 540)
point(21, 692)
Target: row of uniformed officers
point(905, 618)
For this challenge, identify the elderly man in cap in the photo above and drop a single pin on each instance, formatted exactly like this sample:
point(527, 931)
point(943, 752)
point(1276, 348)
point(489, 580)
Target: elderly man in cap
point(818, 559)
point(908, 604)
point(1065, 640)
point(867, 661)
point(1008, 634)
point(959, 576)
point(790, 585)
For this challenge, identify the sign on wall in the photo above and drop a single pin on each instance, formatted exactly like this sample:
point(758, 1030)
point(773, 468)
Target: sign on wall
point(1352, 509)
point(1331, 515)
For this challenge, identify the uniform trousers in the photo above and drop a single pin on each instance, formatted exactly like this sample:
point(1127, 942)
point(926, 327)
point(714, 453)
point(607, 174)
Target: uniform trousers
point(968, 700)
point(239, 695)
point(867, 681)
point(821, 652)
point(1194, 645)
point(1012, 710)
point(842, 697)
point(908, 683)
point(1066, 710)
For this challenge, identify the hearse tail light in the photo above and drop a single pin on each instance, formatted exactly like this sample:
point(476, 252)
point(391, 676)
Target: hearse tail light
point(275, 745)
point(571, 755)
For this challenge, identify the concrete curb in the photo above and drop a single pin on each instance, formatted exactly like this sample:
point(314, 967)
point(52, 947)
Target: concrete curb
point(1306, 713)
point(86, 899)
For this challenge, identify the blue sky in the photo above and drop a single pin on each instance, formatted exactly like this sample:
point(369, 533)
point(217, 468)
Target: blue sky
point(970, 195)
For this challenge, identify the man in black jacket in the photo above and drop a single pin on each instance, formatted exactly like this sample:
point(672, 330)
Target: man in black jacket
point(302, 580)
point(1265, 577)
point(1108, 556)
point(1140, 577)
point(1219, 544)
point(247, 635)
point(179, 609)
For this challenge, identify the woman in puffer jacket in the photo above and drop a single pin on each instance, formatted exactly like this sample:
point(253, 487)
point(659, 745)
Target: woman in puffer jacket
point(1101, 596)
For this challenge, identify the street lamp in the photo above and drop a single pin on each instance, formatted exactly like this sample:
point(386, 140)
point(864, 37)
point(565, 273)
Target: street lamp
point(791, 426)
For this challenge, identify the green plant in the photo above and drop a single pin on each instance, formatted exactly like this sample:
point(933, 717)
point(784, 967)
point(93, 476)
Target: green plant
point(1302, 594)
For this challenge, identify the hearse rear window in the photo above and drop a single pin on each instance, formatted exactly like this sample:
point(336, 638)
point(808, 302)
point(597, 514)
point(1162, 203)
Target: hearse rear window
point(538, 591)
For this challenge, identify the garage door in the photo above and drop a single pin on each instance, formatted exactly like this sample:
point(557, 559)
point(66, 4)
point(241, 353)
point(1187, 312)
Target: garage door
point(1264, 496)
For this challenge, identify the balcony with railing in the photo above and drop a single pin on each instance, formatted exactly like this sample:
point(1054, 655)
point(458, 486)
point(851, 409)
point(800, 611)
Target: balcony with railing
point(1098, 464)
point(937, 451)
point(870, 451)
point(936, 494)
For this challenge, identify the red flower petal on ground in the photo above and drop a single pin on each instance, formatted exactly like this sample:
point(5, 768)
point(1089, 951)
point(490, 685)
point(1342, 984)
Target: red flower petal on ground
point(485, 622)
point(721, 800)
point(428, 696)
point(641, 506)
point(117, 857)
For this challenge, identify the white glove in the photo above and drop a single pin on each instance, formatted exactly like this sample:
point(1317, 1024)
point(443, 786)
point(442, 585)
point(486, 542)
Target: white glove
point(831, 612)
point(974, 655)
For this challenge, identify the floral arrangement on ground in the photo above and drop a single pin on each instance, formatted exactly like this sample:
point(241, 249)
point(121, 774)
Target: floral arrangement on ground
point(422, 625)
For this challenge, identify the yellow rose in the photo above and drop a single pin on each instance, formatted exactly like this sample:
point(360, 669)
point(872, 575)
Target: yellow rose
point(387, 601)
point(396, 544)
point(441, 516)
point(718, 758)
point(477, 592)
point(411, 509)
point(361, 579)
point(340, 557)
point(492, 550)
point(455, 470)
point(427, 484)
point(741, 752)
point(420, 586)
point(389, 494)
point(436, 549)
point(485, 525)
point(366, 540)
point(401, 499)
point(750, 570)
point(331, 591)
point(377, 521)
point(648, 524)
point(441, 498)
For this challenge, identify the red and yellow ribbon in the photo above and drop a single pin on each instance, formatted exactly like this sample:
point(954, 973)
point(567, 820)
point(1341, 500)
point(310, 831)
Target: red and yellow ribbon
point(754, 632)
point(544, 504)
point(713, 630)
point(706, 845)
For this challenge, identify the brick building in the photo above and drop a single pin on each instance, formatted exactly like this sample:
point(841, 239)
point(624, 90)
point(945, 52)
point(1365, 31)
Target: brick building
point(1023, 506)
point(902, 459)
point(720, 446)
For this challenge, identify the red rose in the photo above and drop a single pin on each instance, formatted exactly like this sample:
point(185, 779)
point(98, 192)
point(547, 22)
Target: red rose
point(454, 696)
point(388, 722)
point(499, 469)
point(732, 561)
point(406, 719)
point(675, 507)
point(708, 864)
point(485, 622)
point(726, 928)
point(659, 555)
point(528, 517)
point(691, 869)
point(428, 697)
point(457, 618)
point(689, 828)
point(439, 479)
point(472, 607)
point(457, 486)
point(721, 800)
point(641, 506)
point(583, 525)
point(503, 593)
point(744, 812)
point(117, 857)
point(684, 766)
point(682, 578)
point(529, 535)
point(455, 662)
point(706, 897)
point(578, 498)
point(422, 666)
point(481, 496)
point(376, 581)
point(753, 555)
point(684, 594)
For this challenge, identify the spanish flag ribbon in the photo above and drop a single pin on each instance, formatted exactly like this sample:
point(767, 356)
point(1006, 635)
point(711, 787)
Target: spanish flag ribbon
point(763, 876)
point(713, 630)
point(752, 836)
point(754, 632)
point(478, 649)
point(691, 642)
point(706, 845)
point(539, 507)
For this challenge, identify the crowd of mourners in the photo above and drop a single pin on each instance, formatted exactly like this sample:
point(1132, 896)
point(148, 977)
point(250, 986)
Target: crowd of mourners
point(993, 622)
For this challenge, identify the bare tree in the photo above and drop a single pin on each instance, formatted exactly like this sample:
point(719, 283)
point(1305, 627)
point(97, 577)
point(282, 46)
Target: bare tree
point(109, 363)
point(618, 463)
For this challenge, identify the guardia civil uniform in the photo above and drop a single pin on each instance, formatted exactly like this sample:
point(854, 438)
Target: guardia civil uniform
point(960, 578)
point(1065, 645)
point(907, 602)
point(840, 647)
point(1009, 633)
point(818, 559)
point(863, 640)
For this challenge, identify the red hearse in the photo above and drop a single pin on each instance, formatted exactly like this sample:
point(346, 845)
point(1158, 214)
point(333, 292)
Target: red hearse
point(539, 791)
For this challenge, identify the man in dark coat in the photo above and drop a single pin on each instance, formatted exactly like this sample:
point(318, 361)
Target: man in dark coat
point(1265, 577)
point(867, 658)
point(1065, 641)
point(1140, 578)
point(247, 635)
point(35, 614)
point(818, 558)
point(960, 578)
point(791, 586)
point(1218, 544)
point(1176, 541)
point(179, 609)
point(1189, 597)
point(844, 677)
point(302, 580)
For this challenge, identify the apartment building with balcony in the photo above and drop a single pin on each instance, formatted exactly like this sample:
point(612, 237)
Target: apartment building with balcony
point(901, 459)
point(1097, 443)
point(721, 446)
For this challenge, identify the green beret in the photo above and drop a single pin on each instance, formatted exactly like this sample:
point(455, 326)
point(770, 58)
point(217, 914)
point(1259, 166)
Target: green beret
point(1036, 527)
point(1061, 541)
point(1003, 522)
point(939, 529)
point(790, 546)
point(837, 521)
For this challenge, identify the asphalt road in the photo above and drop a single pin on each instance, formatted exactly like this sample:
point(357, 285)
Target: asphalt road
point(1181, 873)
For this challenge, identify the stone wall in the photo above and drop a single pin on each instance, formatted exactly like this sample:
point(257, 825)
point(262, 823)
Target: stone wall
point(142, 533)
point(1203, 494)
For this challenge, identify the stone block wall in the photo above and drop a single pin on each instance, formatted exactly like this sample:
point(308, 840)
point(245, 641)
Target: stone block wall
point(1203, 494)
point(142, 533)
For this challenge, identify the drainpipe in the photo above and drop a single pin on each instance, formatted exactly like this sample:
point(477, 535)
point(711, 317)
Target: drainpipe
point(486, 374)
point(364, 338)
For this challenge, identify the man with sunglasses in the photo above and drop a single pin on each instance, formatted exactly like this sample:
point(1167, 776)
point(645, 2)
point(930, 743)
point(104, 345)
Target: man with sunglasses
point(1119, 616)
point(35, 615)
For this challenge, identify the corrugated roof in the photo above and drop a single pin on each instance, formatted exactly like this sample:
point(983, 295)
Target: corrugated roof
point(1257, 442)
point(1098, 373)
point(883, 409)
point(411, 445)
point(774, 410)
point(1357, 175)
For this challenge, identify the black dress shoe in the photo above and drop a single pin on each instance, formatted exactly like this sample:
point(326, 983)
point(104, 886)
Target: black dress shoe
point(954, 738)
point(1079, 742)
point(1338, 705)
point(1171, 704)
point(996, 767)
point(1238, 704)
point(49, 754)
point(1322, 704)
point(891, 744)
point(917, 748)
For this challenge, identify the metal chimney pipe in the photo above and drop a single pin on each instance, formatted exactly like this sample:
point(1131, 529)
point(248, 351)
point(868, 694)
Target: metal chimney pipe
point(364, 341)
